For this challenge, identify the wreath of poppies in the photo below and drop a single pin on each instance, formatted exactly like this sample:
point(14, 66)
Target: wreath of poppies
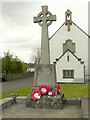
point(44, 90)
point(59, 89)
point(36, 95)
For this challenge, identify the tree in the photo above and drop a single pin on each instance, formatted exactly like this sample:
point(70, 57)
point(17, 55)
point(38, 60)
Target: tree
point(6, 63)
point(12, 65)
point(37, 57)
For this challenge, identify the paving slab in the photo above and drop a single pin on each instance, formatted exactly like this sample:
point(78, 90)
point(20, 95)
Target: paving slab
point(18, 110)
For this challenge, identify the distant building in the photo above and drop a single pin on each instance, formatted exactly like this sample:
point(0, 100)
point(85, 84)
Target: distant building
point(30, 67)
point(69, 49)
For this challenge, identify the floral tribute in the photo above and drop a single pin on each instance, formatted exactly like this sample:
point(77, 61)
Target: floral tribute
point(44, 90)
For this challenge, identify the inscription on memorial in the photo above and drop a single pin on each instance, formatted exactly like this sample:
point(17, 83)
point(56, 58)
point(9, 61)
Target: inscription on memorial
point(45, 74)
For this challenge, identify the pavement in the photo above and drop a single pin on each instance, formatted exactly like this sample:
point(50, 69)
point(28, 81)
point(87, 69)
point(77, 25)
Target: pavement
point(19, 110)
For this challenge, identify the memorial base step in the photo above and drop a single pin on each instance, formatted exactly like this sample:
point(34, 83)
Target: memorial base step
point(48, 102)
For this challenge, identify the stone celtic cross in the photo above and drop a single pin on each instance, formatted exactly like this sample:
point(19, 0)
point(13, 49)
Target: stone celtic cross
point(44, 19)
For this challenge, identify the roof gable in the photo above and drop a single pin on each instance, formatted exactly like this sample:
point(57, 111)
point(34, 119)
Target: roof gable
point(79, 59)
point(75, 25)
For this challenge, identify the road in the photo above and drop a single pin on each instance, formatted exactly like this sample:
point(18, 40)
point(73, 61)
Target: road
point(16, 84)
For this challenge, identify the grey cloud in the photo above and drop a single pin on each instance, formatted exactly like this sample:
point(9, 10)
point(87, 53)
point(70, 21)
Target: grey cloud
point(22, 36)
point(18, 13)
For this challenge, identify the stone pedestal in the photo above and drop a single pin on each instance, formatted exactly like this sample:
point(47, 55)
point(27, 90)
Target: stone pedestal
point(47, 102)
point(45, 74)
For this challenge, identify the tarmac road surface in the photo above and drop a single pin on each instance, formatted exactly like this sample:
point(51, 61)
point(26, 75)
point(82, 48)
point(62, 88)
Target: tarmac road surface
point(16, 84)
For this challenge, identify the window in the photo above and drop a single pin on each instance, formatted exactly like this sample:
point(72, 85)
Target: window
point(68, 17)
point(68, 58)
point(68, 74)
point(69, 45)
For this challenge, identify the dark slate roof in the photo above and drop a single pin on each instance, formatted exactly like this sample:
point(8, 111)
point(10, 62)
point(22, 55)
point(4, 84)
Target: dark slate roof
point(75, 25)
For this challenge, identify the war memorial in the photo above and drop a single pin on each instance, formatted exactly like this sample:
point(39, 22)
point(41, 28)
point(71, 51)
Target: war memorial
point(46, 99)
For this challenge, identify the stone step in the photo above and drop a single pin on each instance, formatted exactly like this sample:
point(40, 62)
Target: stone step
point(21, 99)
point(72, 101)
point(85, 105)
point(6, 102)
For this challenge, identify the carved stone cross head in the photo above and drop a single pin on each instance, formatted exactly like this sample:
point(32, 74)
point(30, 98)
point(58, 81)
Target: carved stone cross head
point(44, 17)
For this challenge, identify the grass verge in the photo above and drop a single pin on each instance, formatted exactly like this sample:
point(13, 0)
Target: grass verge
point(69, 90)
point(20, 92)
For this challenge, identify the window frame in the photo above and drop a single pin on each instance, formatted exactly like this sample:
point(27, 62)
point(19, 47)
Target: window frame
point(68, 74)
point(69, 45)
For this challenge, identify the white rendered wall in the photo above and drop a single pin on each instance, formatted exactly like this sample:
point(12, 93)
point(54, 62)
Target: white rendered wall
point(89, 39)
point(73, 64)
point(77, 36)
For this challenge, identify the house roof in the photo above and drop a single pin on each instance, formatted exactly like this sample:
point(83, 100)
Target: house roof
point(75, 25)
point(79, 59)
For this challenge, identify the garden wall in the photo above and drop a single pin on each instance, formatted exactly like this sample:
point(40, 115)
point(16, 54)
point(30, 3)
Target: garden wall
point(20, 76)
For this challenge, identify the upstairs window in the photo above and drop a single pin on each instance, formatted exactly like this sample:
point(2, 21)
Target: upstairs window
point(69, 45)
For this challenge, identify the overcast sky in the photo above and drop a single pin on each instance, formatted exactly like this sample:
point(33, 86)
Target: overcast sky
point(21, 36)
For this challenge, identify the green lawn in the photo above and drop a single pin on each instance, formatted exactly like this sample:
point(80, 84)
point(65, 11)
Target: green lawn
point(69, 90)
point(75, 90)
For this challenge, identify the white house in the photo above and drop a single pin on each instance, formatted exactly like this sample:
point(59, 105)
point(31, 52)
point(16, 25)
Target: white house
point(69, 49)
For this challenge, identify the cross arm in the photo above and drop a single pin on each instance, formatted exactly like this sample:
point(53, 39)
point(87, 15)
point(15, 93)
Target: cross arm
point(51, 18)
point(37, 19)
